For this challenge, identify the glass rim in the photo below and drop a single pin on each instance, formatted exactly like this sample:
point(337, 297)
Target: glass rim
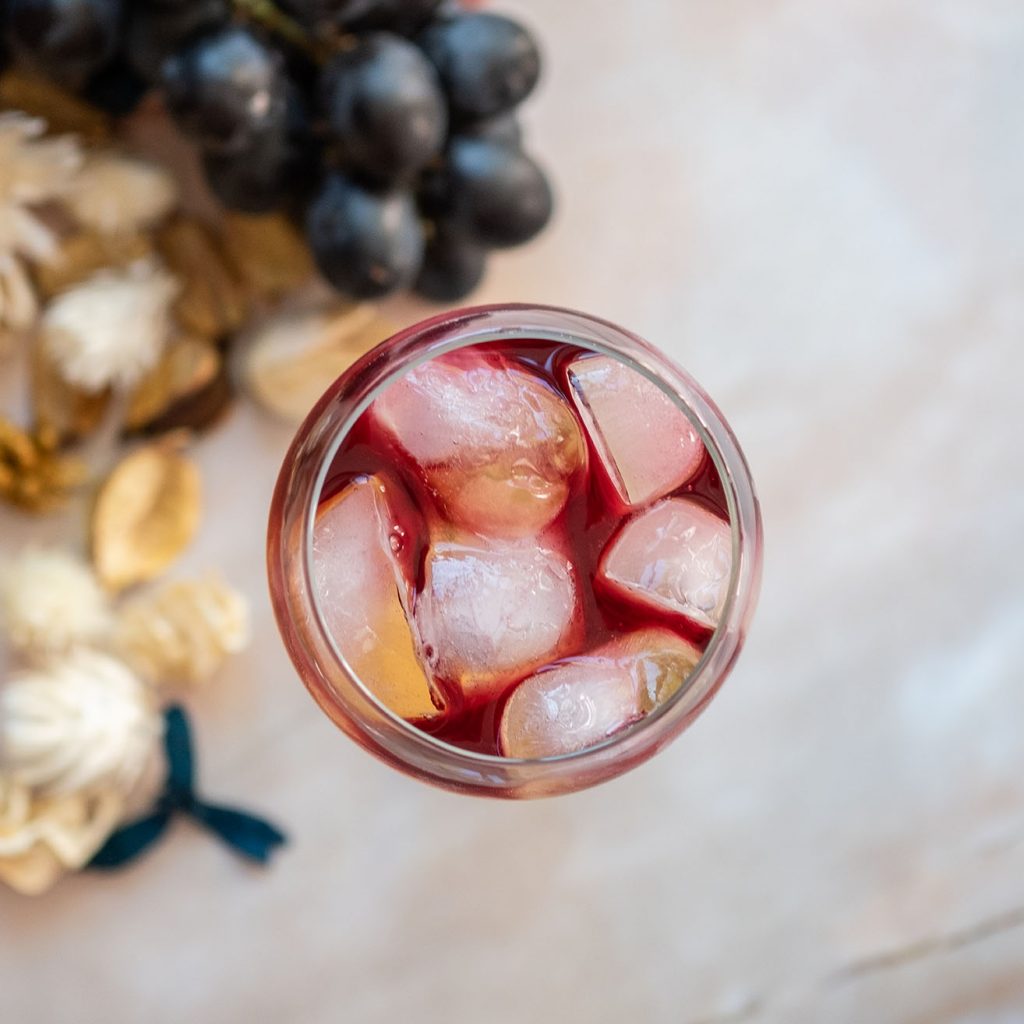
point(458, 329)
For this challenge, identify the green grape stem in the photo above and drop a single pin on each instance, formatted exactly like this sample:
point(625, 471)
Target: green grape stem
point(272, 18)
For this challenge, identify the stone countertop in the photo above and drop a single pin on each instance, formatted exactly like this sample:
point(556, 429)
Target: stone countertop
point(818, 209)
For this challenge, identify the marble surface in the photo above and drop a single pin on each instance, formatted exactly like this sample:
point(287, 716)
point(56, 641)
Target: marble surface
point(817, 208)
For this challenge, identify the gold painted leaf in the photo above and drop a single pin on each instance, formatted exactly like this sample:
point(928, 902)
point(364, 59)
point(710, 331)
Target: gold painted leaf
point(81, 254)
point(146, 514)
point(189, 388)
point(211, 303)
point(62, 111)
point(294, 356)
point(267, 252)
point(61, 410)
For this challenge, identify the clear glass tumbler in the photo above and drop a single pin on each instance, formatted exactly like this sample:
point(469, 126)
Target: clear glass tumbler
point(317, 659)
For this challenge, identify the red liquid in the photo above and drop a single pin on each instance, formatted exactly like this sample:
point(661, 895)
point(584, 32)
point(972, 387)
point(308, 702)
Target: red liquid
point(592, 515)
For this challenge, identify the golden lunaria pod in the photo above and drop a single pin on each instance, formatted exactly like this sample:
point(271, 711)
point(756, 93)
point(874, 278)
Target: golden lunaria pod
point(60, 409)
point(189, 388)
point(81, 254)
point(146, 513)
point(211, 303)
point(63, 111)
point(293, 356)
point(267, 252)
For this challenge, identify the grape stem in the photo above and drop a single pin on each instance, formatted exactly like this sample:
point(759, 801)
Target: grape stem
point(272, 18)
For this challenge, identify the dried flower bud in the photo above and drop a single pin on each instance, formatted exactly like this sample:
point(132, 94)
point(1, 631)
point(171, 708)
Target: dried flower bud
point(43, 837)
point(50, 600)
point(81, 722)
point(183, 631)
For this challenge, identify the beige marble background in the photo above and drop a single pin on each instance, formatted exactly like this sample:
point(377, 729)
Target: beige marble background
point(817, 206)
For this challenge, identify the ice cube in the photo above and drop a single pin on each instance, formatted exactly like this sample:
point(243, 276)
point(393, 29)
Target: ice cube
point(676, 556)
point(362, 552)
point(646, 443)
point(492, 611)
point(494, 443)
point(584, 700)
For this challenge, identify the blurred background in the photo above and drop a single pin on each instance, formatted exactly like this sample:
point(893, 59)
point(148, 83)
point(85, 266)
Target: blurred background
point(818, 210)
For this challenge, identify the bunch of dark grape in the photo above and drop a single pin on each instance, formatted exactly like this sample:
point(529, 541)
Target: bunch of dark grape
point(387, 128)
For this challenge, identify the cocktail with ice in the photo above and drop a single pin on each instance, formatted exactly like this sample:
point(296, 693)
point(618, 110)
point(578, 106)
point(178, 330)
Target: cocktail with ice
point(514, 551)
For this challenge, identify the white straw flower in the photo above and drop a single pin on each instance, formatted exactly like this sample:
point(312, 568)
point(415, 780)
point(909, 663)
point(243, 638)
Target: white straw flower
point(111, 328)
point(42, 838)
point(51, 600)
point(183, 631)
point(33, 170)
point(117, 194)
point(82, 722)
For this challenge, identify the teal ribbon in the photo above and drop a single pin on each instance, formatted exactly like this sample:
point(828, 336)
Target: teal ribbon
point(246, 834)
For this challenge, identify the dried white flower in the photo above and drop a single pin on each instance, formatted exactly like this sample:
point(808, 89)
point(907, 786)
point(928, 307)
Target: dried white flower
point(33, 170)
point(184, 630)
point(117, 194)
point(42, 837)
point(82, 722)
point(50, 600)
point(111, 328)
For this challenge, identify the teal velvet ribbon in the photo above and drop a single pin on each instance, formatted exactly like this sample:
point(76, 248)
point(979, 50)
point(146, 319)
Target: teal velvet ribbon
point(248, 835)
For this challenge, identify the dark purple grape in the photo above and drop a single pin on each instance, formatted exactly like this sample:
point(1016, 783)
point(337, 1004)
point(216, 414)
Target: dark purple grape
point(366, 243)
point(66, 40)
point(225, 88)
point(504, 128)
point(404, 16)
point(488, 63)
point(453, 265)
point(493, 191)
point(274, 170)
point(156, 31)
point(117, 89)
point(324, 14)
point(385, 109)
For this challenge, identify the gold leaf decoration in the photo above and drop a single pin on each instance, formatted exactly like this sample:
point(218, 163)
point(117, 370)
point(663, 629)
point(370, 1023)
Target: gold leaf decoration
point(83, 253)
point(34, 476)
point(145, 515)
point(63, 111)
point(267, 252)
point(293, 356)
point(60, 409)
point(211, 303)
point(189, 388)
